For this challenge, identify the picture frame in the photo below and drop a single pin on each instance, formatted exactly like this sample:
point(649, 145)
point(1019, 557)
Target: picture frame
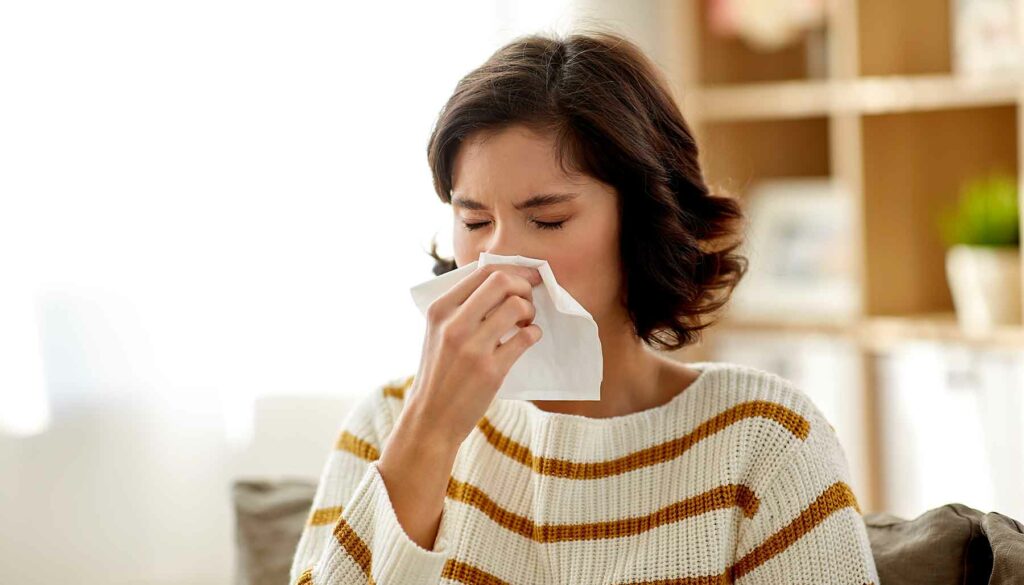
point(799, 247)
point(988, 37)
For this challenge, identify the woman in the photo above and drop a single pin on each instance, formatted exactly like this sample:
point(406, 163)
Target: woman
point(572, 150)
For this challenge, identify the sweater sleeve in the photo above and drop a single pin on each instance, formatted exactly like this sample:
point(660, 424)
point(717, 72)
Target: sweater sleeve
point(808, 526)
point(352, 534)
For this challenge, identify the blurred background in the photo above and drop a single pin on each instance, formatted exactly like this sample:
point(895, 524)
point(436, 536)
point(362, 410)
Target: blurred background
point(211, 214)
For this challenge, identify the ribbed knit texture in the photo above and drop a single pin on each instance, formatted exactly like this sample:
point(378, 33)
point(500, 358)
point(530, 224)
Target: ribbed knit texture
point(739, 478)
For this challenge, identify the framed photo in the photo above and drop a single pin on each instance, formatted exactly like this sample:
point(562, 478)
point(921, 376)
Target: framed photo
point(799, 244)
point(988, 37)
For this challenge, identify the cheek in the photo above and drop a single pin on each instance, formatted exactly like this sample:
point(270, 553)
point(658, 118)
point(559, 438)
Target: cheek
point(593, 281)
point(589, 270)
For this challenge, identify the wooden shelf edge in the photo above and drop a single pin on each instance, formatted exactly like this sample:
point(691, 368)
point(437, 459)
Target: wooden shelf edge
point(884, 333)
point(864, 96)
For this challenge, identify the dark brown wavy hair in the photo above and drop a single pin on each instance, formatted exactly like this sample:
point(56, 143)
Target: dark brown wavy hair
point(614, 119)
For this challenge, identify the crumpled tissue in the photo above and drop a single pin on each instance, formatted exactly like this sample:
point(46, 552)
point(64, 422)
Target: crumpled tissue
point(566, 364)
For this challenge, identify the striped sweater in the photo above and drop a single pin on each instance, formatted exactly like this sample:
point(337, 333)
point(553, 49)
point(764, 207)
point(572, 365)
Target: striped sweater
point(737, 479)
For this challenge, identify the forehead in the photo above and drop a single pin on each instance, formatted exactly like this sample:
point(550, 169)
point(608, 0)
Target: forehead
point(511, 159)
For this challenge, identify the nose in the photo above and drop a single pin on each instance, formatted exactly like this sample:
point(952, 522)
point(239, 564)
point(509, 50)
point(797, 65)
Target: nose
point(503, 242)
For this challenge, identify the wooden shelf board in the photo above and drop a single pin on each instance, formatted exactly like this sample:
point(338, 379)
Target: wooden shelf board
point(883, 333)
point(864, 95)
point(836, 327)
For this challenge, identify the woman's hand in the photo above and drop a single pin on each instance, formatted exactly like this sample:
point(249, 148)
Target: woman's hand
point(464, 362)
point(462, 366)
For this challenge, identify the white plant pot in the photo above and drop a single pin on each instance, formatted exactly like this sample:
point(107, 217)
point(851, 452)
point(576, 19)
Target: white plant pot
point(985, 284)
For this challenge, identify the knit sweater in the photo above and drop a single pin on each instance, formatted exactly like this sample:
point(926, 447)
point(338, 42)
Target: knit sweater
point(739, 478)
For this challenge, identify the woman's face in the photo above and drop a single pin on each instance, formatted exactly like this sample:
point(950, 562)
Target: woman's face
point(510, 197)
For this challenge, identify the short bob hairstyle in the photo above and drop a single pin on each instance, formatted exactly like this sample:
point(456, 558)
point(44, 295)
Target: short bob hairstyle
point(613, 118)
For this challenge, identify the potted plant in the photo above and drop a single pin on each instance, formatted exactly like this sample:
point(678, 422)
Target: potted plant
point(981, 233)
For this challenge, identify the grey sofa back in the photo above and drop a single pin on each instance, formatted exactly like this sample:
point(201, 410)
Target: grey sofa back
point(953, 544)
point(269, 516)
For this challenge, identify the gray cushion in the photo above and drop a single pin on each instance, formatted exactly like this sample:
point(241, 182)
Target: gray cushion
point(269, 516)
point(952, 544)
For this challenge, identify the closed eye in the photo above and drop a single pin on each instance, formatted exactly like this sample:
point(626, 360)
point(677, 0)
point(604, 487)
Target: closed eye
point(544, 225)
point(550, 225)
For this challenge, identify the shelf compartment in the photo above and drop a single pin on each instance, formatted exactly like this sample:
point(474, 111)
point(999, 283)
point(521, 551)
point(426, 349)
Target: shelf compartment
point(733, 60)
point(908, 37)
point(735, 154)
point(913, 166)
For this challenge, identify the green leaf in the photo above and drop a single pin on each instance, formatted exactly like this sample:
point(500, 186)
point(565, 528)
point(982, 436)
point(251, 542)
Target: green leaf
point(986, 213)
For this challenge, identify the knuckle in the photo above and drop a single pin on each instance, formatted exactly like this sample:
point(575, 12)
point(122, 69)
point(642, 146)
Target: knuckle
point(450, 334)
point(501, 278)
point(525, 336)
point(524, 307)
point(434, 311)
point(530, 335)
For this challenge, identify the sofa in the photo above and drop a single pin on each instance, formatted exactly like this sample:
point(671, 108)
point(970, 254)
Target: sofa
point(951, 544)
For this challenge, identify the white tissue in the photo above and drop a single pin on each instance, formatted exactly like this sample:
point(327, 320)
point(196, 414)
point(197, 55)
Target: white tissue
point(567, 363)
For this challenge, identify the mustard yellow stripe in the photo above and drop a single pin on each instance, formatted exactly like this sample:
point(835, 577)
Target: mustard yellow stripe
point(834, 498)
point(356, 446)
point(698, 580)
point(462, 572)
point(796, 424)
point(721, 497)
point(466, 573)
point(355, 547)
point(455, 570)
point(717, 498)
point(360, 447)
point(838, 496)
point(322, 516)
point(398, 391)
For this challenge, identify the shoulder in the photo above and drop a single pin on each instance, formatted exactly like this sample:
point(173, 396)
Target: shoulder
point(737, 384)
point(778, 417)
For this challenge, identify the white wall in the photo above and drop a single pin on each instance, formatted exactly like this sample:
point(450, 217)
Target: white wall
point(210, 215)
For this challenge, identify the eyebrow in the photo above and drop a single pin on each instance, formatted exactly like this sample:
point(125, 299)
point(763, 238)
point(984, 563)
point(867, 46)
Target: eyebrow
point(538, 200)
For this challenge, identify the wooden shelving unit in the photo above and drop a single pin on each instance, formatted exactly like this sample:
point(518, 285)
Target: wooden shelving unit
point(885, 115)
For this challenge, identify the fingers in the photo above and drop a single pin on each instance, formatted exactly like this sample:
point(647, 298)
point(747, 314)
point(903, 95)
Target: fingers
point(510, 351)
point(513, 311)
point(461, 292)
point(499, 287)
point(484, 306)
